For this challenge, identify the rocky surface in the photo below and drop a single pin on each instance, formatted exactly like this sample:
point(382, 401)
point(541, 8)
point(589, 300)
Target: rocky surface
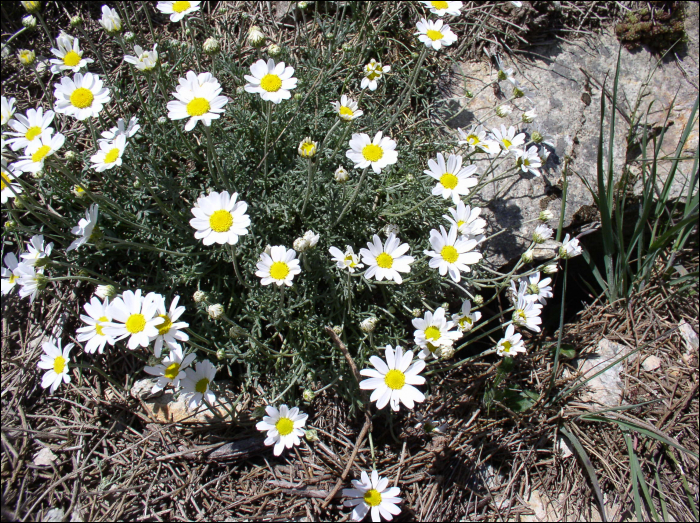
point(605, 389)
point(563, 82)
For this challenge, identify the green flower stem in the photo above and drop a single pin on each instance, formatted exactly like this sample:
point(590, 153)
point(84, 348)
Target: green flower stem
point(194, 44)
point(95, 51)
point(212, 154)
point(118, 242)
point(76, 268)
point(352, 198)
point(417, 206)
point(41, 82)
point(79, 278)
point(45, 27)
point(561, 330)
point(308, 185)
point(232, 250)
point(267, 135)
point(15, 35)
point(144, 8)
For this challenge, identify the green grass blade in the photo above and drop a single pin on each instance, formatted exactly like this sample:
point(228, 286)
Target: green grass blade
point(561, 328)
point(686, 487)
point(633, 475)
point(596, 273)
point(664, 239)
point(589, 468)
point(662, 498)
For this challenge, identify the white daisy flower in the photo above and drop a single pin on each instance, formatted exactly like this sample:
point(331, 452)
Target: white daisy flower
point(379, 152)
point(388, 260)
point(31, 280)
point(434, 331)
point(542, 233)
point(467, 220)
point(171, 371)
point(85, 227)
point(393, 381)
point(374, 494)
point(346, 260)
point(450, 254)
point(82, 97)
point(528, 161)
point(272, 82)
point(134, 317)
point(444, 8)
point(465, 318)
point(435, 34)
point(8, 189)
point(198, 98)
point(122, 129)
point(284, 427)
point(198, 382)
point(373, 72)
point(105, 291)
point(507, 74)
point(109, 155)
point(476, 140)
point(98, 316)
point(503, 110)
point(218, 218)
point(144, 60)
point(507, 139)
point(511, 344)
point(110, 20)
point(28, 129)
point(177, 10)
point(569, 248)
point(69, 57)
point(55, 363)
point(347, 109)
point(311, 238)
point(37, 251)
point(453, 180)
point(529, 116)
point(280, 266)
point(10, 275)
point(527, 313)
point(550, 269)
point(7, 109)
point(36, 153)
point(170, 331)
point(538, 290)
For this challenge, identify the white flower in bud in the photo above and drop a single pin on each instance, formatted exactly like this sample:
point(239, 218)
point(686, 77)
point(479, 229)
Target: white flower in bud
point(478, 300)
point(199, 296)
point(105, 291)
point(307, 148)
point(255, 36)
point(240, 89)
point(32, 7)
point(302, 5)
point(18, 203)
point(329, 35)
point(417, 313)
point(221, 354)
point(536, 137)
point(129, 37)
point(529, 116)
point(298, 96)
point(546, 215)
point(368, 325)
point(76, 21)
point(447, 352)
point(215, 311)
point(10, 225)
point(308, 395)
point(550, 269)
point(347, 47)
point(29, 22)
point(301, 245)
point(528, 256)
point(469, 94)
point(503, 110)
point(341, 175)
point(311, 435)
point(211, 45)
point(274, 50)
point(312, 238)
point(391, 228)
point(542, 234)
point(70, 156)
point(26, 56)
point(162, 120)
point(337, 329)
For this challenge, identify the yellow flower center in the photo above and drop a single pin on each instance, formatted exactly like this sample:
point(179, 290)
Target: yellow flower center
point(432, 333)
point(449, 254)
point(519, 315)
point(505, 346)
point(473, 139)
point(172, 371)
point(373, 498)
point(439, 5)
point(202, 385)
point(465, 322)
point(533, 288)
point(372, 152)
point(41, 153)
point(98, 325)
point(32, 132)
point(507, 142)
point(349, 261)
point(460, 223)
point(395, 379)
point(5, 181)
point(164, 327)
point(198, 107)
point(112, 155)
point(136, 323)
point(221, 221)
point(284, 426)
point(279, 270)
point(179, 7)
point(307, 149)
point(59, 364)
point(82, 98)
point(432, 348)
point(345, 113)
point(385, 261)
point(271, 83)
point(449, 180)
point(71, 59)
point(371, 75)
point(13, 278)
point(434, 35)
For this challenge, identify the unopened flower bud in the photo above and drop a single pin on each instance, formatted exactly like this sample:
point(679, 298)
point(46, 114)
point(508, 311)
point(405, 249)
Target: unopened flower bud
point(199, 296)
point(312, 238)
point(255, 36)
point(136, 183)
point(347, 47)
point(536, 137)
point(478, 300)
point(129, 37)
point(503, 110)
point(447, 352)
point(221, 354)
point(298, 96)
point(105, 291)
point(469, 94)
point(417, 313)
point(341, 175)
point(274, 50)
point(32, 7)
point(162, 120)
point(311, 435)
point(337, 329)
point(302, 5)
point(527, 256)
point(18, 203)
point(26, 56)
point(215, 311)
point(391, 228)
point(211, 46)
point(329, 35)
point(546, 215)
point(70, 156)
point(391, 309)
point(308, 395)
point(240, 89)
point(29, 22)
point(368, 325)
point(10, 225)
point(300, 245)
point(76, 21)
point(550, 269)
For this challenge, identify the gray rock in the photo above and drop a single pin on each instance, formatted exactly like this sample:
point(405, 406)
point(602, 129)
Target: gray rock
point(605, 389)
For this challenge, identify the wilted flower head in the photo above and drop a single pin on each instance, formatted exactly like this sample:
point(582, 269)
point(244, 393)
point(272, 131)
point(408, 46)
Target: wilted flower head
point(368, 325)
point(29, 21)
point(211, 45)
point(110, 20)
